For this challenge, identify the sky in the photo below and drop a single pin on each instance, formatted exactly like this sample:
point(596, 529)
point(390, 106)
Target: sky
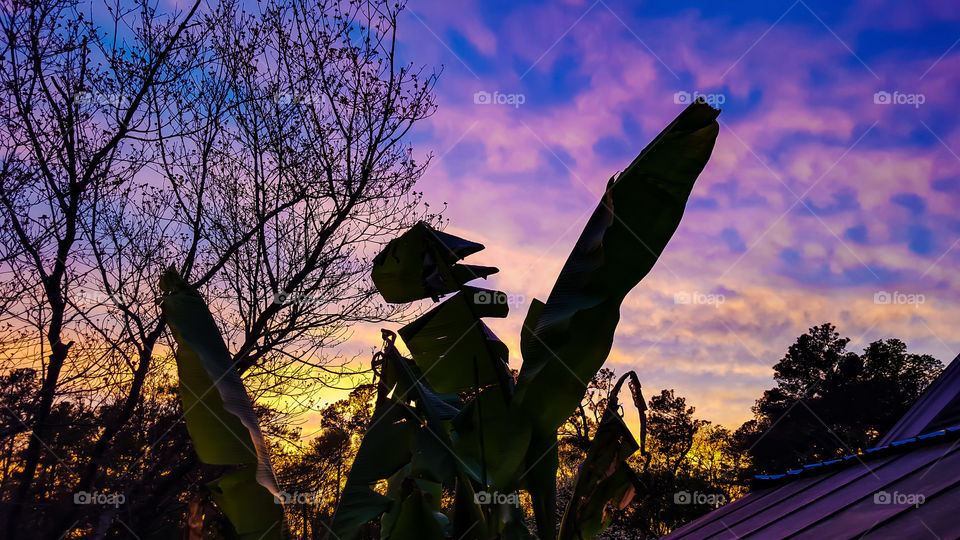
point(830, 195)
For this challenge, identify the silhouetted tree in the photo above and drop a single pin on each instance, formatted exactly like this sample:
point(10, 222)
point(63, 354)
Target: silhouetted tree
point(263, 153)
point(829, 401)
point(315, 472)
point(685, 455)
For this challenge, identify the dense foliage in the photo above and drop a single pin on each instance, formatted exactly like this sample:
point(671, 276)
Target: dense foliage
point(830, 401)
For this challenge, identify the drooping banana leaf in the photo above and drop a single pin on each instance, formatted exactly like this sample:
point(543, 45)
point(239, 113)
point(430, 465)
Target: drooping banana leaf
point(407, 381)
point(433, 457)
point(219, 414)
point(570, 335)
point(385, 449)
point(422, 263)
point(407, 450)
point(605, 482)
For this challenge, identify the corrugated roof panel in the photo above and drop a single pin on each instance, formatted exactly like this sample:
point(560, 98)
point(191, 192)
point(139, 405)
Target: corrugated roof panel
point(749, 505)
point(718, 521)
point(938, 514)
point(828, 484)
point(878, 510)
point(740, 504)
point(840, 502)
point(836, 498)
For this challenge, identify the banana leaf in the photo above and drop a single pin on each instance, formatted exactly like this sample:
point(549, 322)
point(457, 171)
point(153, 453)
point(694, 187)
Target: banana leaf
point(417, 519)
point(385, 449)
point(567, 338)
point(622, 240)
point(219, 414)
point(605, 482)
point(505, 437)
point(454, 349)
point(405, 449)
point(422, 263)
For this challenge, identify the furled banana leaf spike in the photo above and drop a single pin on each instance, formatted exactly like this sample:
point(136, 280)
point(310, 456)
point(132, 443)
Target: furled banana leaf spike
point(566, 339)
point(219, 414)
point(605, 481)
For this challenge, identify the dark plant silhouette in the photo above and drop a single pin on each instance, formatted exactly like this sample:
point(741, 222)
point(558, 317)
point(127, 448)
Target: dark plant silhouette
point(452, 419)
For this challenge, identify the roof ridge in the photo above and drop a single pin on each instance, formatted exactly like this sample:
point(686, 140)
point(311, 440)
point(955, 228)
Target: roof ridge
point(938, 406)
point(902, 445)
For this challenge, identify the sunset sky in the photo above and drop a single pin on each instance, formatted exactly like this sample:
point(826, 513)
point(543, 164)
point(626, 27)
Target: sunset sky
point(835, 177)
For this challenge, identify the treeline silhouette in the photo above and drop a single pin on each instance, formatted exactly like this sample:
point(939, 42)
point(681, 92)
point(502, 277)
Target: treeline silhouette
point(828, 401)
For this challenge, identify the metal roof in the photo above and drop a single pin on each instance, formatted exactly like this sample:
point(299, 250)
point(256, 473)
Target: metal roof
point(907, 487)
point(908, 493)
point(938, 407)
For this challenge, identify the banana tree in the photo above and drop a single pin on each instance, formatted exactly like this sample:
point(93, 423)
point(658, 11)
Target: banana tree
point(455, 438)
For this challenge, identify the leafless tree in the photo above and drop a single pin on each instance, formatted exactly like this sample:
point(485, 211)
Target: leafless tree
point(264, 154)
